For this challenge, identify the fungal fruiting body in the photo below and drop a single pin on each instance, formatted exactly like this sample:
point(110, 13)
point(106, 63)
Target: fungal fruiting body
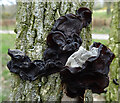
point(63, 40)
point(87, 70)
point(79, 69)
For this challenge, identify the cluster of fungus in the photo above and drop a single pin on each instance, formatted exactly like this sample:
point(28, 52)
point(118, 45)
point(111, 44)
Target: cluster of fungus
point(79, 69)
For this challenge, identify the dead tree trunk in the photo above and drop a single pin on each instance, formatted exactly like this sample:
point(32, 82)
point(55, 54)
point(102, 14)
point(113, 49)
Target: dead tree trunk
point(33, 22)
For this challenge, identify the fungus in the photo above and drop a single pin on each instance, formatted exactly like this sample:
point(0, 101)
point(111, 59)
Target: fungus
point(79, 69)
point(22, 65)
point(87, 70)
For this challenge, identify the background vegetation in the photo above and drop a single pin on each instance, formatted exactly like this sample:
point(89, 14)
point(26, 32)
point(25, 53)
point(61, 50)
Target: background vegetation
point(8, 41)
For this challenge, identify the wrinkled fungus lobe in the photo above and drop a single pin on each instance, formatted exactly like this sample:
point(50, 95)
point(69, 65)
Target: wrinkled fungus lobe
point(92, 75)
point(62, 42)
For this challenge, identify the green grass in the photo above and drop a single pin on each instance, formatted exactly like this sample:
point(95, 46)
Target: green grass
point(12, 27)
point(105, 42)
point(8, 41)
point(101, 14)
point(101, 17)
point(101, 30)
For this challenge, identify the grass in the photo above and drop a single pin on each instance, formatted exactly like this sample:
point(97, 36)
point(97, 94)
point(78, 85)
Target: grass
point(101, 30)
point(101, 14)
point(101, 17)
point(8, 41)
point(12, 27)
point(105, 42)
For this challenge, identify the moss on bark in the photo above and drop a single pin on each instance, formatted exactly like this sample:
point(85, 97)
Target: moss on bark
point(112, 93)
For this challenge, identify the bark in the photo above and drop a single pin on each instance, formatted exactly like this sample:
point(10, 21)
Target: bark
point(34, 21)
point(112, 93)
point(119, 49)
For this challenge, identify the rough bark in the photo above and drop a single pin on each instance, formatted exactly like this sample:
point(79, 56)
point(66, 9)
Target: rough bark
point(119, 49)
point(34, 21)
point(112, 93)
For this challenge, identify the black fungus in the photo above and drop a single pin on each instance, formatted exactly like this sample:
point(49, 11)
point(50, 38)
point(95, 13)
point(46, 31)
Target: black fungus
point(22, 65)
point(63, 40)
point(85, 14)
point(92, 75)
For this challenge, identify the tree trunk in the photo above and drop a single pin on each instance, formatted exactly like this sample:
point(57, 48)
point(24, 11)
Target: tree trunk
point(114, 43)
point(34, 21)
point(119, 49)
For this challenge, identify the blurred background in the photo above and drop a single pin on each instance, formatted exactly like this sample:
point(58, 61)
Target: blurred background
point(100, 29)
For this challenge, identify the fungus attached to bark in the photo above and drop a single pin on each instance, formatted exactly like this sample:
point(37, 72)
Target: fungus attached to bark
point(22, 65)
point(80, 69)
point(62, 41)
point(87, 70)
